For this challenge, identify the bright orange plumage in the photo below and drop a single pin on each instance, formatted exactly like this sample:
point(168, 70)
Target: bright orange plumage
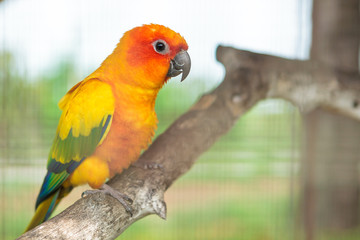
point(109, 117)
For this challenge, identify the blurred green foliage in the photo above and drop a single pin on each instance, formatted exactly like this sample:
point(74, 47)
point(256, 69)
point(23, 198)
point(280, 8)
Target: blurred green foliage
point(18, 115)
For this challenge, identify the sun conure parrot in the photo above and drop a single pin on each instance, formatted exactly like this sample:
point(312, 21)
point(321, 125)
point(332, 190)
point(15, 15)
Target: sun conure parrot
point(109, 117)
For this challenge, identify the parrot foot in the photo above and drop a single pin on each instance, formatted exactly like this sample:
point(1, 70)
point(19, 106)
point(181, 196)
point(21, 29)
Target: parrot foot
point(106, 189)
point(153, 166)
point(150, 166)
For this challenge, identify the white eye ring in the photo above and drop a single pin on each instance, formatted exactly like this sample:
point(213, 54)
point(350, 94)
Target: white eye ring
point(160, 46)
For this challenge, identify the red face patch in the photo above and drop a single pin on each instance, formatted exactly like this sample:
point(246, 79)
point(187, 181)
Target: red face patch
point(141, 49)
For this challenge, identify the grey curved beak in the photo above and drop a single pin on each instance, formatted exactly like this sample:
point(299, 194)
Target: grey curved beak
point(180, 64)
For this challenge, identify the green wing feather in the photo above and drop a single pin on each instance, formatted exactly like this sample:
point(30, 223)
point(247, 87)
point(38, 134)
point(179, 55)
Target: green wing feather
point(59, 172)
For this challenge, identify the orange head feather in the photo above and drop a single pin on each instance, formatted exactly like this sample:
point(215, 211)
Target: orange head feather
point(144, 55)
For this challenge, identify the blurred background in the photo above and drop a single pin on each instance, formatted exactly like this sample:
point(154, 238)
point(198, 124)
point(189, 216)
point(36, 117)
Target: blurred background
point(249, 185)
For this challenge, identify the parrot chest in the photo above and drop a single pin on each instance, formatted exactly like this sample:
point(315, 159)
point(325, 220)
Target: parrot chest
point(130, 132)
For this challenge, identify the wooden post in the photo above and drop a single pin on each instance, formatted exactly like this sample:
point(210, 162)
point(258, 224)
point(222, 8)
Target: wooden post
point(331, 148)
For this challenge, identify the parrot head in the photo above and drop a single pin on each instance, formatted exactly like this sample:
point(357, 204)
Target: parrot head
point(150, 55)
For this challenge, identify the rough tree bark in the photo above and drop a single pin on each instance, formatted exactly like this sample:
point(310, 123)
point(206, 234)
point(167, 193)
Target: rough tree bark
point(249, 78)
point(330, 172)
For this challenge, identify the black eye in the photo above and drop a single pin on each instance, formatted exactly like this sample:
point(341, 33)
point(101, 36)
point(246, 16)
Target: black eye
point(161, 47)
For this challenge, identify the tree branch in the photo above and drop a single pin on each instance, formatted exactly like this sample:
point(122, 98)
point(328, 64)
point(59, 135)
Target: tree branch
point(307, 84)
point(249, 78)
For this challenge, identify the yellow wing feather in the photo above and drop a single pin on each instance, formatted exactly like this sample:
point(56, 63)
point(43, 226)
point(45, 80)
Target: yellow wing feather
point(84, 107)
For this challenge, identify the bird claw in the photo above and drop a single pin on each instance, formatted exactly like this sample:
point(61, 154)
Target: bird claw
point(154, 166)
point(106, 189)
point(150, 166)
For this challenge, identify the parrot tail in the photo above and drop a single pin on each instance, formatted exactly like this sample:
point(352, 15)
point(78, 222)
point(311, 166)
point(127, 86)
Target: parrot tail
point(45, 208)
